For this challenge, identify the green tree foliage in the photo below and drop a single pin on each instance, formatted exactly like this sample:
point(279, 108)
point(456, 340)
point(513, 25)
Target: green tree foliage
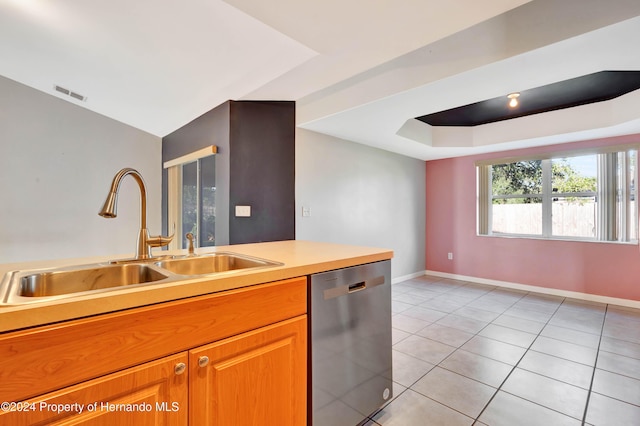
point(525, 177)
point(566, 179)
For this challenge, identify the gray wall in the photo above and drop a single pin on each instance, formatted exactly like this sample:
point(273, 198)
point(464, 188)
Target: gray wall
point(363, 196)
point(57, 161)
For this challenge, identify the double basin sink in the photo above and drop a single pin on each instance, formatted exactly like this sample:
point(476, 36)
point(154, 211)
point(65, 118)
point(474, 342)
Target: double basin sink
point(29, 286)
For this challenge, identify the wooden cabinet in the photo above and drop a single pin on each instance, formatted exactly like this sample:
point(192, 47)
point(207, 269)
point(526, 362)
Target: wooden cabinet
point(257, 378)
point(154, 393)
point(255, 339)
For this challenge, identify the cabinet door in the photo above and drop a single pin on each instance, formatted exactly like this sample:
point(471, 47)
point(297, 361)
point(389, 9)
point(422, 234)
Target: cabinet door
point(150, 394)
point(255, 378)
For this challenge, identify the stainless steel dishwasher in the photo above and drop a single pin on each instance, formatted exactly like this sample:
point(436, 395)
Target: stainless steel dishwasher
point(350, 330)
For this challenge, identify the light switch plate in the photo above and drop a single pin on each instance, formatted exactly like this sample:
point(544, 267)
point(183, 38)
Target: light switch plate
point(243, 211)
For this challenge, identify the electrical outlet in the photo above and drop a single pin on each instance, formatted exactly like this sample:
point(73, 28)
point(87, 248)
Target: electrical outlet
point(450, 256)
point(306, 211)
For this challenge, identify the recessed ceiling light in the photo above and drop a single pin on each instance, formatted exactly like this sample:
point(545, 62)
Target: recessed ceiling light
point(514, 99)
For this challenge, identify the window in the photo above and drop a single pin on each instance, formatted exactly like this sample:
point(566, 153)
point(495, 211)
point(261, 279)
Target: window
point(198, 201)
point(580, 197)
point(191, 198)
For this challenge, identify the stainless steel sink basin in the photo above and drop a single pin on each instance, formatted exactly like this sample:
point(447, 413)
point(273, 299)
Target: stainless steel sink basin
point(64, 282)
point(30, 286)
point(213, 263)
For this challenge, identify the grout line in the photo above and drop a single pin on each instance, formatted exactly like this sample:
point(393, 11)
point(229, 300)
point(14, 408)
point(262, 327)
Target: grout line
point(476, 419)
point(527, 349)
point(595, 365)
point(517, 363)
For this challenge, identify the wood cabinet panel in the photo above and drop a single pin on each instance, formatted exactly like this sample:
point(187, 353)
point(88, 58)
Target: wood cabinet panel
point(42, 359)
point(146, 395)
point(257, 378)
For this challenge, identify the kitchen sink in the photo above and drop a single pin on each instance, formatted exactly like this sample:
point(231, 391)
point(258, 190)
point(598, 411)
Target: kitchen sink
point(30, 286)
point(55, 283)
point(213, 263)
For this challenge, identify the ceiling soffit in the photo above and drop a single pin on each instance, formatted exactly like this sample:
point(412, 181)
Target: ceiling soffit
point(595, 87)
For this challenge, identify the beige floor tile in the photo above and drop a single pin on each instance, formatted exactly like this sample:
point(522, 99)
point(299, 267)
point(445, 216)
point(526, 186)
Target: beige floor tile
point(619, 364)
point(489, 304)
point(520, 324)
point(494, 349)
point(477, 367)
point(616, 386)
point(572, 336)
point(424, 349)
point(442, 305)
point(455, 391)
point(565, 350)
point(621, 331)
point(398, 335)
point(620, 347)
point(475, 313)
point(561, 369)
point(398, 307)
point(463, 323)
point(408, 324)
point(528, 314)
point(508, 335)
point(425, 314)
point(414, 409)
point(447, 335)
point(605, 411)
point(585, 323)
point(410, 298)
point(545, 308)
point(463, 350)
point(407, 369)
point(553, 394)
point(509, 410)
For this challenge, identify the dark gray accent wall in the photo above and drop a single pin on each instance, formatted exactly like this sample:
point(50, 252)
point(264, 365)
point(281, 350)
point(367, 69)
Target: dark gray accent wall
point(262, 171)
point(211, 128)
point(255, 166)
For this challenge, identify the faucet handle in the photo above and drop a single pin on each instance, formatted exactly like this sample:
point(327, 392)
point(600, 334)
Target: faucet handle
point(189, 237)
point(159, 240)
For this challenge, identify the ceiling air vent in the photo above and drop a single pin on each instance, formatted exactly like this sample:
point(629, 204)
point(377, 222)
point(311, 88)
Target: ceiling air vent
point(68, 92)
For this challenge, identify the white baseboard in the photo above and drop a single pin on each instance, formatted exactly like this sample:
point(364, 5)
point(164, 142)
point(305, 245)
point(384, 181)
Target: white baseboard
point(408, 277)
point(544, 290)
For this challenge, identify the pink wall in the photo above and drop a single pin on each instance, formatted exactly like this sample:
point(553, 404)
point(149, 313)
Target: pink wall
point(587, 267)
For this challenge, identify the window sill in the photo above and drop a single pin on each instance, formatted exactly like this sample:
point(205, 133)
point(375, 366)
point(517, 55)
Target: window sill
point(566, 239)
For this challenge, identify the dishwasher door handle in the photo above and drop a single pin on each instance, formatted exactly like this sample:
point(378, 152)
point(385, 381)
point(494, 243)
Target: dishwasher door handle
point(357, 286)
point(347, 289)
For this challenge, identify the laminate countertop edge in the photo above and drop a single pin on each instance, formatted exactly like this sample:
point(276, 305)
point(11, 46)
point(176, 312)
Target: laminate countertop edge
point(299, 258)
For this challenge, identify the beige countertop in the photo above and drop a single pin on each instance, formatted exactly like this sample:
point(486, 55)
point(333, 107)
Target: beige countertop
point(299, 258)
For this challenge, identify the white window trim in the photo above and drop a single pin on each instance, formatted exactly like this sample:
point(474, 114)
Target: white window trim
point(605, 226)
point(174, 189)
point(191, 157)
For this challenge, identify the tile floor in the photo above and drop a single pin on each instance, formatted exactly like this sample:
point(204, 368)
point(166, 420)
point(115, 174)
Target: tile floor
point(469, 354)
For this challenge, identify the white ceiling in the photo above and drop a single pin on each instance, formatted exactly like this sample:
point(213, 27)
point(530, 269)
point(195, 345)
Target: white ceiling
point(359, 70)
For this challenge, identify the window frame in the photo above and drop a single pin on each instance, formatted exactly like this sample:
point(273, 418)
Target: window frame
point(620, 217)
point(175, 191)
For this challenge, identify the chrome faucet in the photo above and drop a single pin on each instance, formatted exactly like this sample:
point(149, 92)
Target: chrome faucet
point(145, 242)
